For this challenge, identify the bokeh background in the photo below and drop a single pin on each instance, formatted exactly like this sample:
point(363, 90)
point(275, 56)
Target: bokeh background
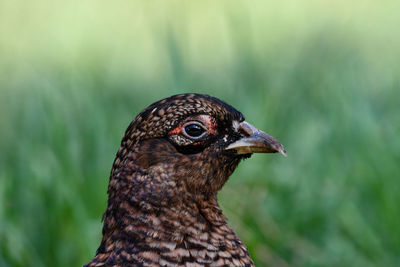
point(321, 76)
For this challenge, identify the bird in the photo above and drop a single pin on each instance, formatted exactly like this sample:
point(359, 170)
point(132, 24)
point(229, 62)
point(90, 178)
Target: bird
point(162, 207)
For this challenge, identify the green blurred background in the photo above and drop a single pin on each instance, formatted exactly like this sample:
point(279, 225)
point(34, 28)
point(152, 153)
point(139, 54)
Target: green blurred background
point(321, 76)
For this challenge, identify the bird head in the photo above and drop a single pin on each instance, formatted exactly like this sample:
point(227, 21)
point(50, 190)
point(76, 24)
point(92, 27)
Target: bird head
point(192, 140)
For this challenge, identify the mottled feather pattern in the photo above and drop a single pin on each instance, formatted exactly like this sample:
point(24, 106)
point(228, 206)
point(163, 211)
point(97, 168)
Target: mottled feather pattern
point(162, 206)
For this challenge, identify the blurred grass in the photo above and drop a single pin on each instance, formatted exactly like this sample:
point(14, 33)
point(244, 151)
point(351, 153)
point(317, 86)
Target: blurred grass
point(321, 76)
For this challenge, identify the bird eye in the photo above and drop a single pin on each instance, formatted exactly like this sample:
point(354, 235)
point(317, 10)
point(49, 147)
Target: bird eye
point(194, 130)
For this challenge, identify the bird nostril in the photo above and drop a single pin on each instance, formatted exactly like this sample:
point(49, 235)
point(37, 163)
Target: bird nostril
point(244, 132)
point(246, 129)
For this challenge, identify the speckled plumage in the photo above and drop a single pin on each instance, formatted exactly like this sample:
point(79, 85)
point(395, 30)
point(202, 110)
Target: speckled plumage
point(162, 207)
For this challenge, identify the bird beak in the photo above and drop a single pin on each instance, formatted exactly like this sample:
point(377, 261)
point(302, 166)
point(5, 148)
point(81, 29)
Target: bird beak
point(255, 141)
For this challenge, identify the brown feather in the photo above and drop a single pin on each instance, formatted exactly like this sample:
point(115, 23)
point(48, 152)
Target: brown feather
point(162, 206)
